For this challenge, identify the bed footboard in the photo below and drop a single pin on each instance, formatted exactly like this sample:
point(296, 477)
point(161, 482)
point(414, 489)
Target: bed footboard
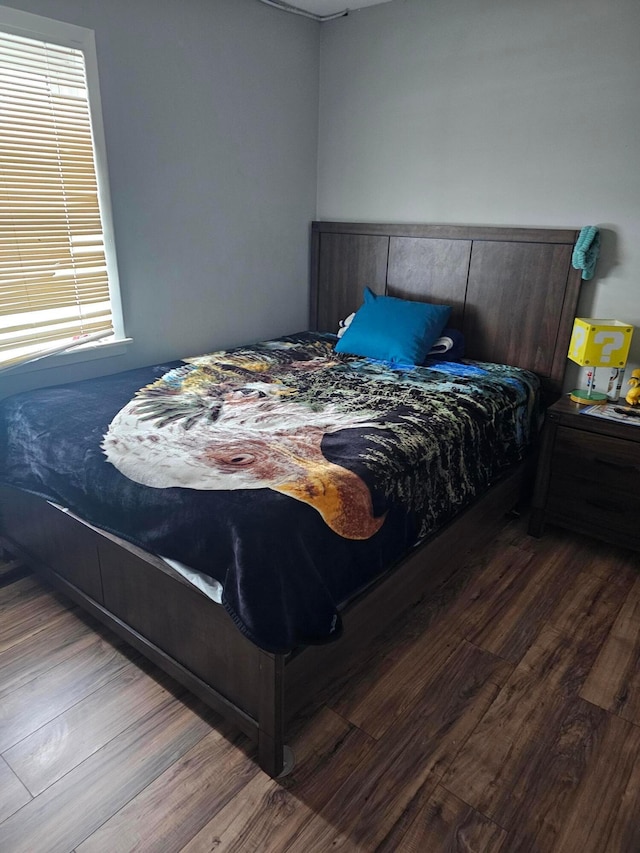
point(513, 292)
point(143, 601)
point(195, 641)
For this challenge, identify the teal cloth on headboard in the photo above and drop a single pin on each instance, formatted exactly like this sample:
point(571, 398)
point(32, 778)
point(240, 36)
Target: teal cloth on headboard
point(586, 251)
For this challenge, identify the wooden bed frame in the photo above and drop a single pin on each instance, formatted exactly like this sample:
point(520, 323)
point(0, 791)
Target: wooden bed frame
point(514, 295)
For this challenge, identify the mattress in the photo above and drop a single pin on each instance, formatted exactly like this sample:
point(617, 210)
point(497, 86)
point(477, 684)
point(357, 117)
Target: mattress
point(289, 474)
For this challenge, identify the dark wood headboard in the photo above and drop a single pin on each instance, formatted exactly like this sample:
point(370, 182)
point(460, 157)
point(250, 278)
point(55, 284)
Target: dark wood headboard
point(513, 290)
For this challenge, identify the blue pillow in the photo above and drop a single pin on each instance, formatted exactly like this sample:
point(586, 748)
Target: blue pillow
point(395, 330)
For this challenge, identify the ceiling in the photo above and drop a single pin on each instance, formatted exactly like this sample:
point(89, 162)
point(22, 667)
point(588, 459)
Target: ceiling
point(330, 7)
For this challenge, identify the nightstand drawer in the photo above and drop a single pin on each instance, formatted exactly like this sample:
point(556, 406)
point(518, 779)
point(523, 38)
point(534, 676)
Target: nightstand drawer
point(588, 476)
point(593, 509)
point(584, 457)
point(595, 483)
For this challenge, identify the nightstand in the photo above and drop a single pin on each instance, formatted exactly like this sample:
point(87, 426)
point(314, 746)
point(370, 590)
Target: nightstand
point(588, 476)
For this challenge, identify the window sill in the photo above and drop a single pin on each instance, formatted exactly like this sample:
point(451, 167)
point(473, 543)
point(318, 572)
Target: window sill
point(89, 352)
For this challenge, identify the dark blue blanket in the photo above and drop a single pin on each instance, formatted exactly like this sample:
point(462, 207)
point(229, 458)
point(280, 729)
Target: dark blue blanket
point(310, 473)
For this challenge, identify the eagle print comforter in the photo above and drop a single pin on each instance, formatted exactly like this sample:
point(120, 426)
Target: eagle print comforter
point(289, 473)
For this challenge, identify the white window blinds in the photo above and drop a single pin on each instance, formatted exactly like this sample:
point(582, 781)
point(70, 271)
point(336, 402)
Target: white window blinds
point(54, 285)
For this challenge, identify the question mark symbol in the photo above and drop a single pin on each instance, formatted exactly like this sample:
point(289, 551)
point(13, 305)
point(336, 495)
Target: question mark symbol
point(616, 340)
point(579, 335)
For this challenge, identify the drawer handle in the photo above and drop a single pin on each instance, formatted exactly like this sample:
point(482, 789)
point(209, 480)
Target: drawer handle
point(618, 466)
point(609, 506)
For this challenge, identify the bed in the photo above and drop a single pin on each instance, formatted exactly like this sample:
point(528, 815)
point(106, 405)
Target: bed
point(513, 295)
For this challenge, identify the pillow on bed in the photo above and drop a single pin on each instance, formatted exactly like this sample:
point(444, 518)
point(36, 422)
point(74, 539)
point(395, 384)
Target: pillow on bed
point(450, 342)
point(395, 330)
point(344, 324)
point(448, 347)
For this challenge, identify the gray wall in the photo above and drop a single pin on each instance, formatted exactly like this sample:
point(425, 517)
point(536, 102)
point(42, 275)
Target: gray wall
point(505, 112)
point(500, 112)
point(210, 111)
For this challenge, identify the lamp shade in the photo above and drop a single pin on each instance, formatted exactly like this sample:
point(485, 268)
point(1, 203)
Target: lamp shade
point(600, 343)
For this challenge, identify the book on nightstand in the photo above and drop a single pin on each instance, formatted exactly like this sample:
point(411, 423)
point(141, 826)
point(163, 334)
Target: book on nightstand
point(615, 412)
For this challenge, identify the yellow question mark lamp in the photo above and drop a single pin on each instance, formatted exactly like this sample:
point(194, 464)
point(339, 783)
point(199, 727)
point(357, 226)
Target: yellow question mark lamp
point(598, 343)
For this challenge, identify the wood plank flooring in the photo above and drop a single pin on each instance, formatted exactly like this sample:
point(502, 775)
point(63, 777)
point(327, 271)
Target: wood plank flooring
point(503, 716)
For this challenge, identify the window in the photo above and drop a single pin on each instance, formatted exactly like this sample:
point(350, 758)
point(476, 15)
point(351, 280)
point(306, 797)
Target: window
point(58, 275)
